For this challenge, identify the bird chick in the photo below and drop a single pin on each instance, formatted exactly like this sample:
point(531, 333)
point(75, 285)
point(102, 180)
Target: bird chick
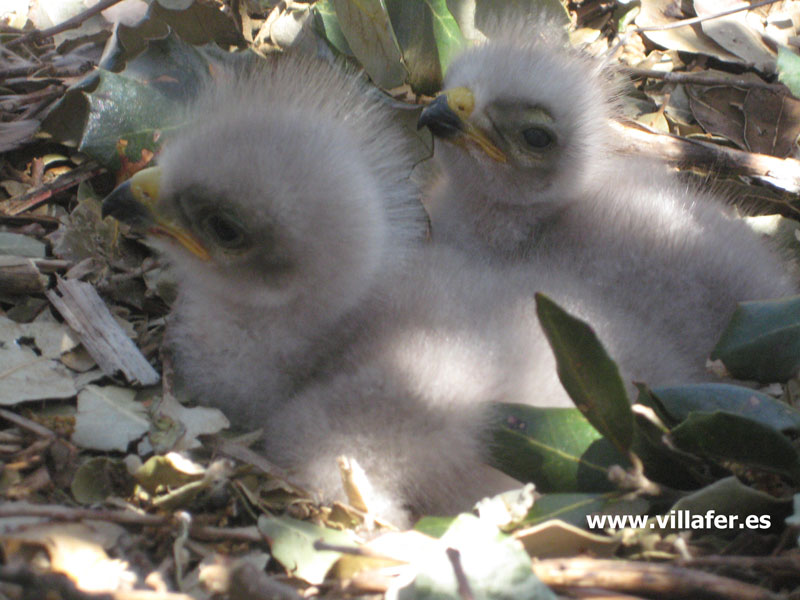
point(277, 209)
point(529, 170)
point(308, 306)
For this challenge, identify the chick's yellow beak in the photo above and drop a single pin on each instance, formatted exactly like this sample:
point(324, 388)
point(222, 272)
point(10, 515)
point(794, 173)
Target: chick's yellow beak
point(137, 203)
point(448, 118)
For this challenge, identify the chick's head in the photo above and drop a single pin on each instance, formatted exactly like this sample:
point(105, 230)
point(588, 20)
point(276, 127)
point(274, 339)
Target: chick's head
point(270, 207)
point(525, 118)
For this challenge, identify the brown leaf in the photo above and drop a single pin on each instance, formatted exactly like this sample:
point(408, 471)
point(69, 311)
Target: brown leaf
point(772, 122)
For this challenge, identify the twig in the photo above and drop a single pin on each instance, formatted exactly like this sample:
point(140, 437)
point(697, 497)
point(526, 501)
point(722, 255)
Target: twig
point(70, 23)
point(64, 513)
point(351, 550)
point(40, 195)
point(41, 70)
point(26, 70)
point(20, 276)
point(51, 265)
point(101, 336)
point(24, 423)
point(249, 535)
point(637, 140)
point(634, 478)
point(12, 103)
point(695, 20)
point(179, 554)
point(597, 594)
point(661, 580)
point(464, 590)
point(702, 79)
point(789, 563)
point(27, 218)
point(147, 595)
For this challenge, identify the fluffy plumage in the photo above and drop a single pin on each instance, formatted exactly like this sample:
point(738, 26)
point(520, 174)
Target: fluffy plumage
point(295, 185)
point(410, 403)
point(309, 306)
point(531, 175)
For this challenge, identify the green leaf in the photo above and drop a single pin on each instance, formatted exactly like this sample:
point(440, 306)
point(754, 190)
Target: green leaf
point(327, 25)
point(434, 526)
point(555, 448)
point(677, 403)
point(101, 477)
point(370, 36)
point(120, 108)
point(412, 23)
point(496, 566)
point(762, 341)
point(106, 108)
point(729, 497)
point(292, 545)
point(21, 245)
point(588, 373)
point(166, 64)
point(728, 438)
point(556, 539)
point(175, 4)
point(164, 472)
point(198, 23)
point(428, 38)
point(789, 69)
point(449, 41)
point(144, 103)
point(574, 508)
point(662, 462)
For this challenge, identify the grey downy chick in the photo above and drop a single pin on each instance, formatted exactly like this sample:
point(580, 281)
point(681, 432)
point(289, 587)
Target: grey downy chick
point(277, 208)
point(529, 173)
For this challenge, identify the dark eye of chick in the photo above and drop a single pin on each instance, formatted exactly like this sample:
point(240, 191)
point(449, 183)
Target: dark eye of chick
point(537, 137)
point(225, 231)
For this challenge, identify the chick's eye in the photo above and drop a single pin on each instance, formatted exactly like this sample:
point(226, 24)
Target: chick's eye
point(537, 137)
point(224, 230)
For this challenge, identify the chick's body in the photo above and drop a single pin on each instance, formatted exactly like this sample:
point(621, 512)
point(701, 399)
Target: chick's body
point(659, 249)
point(411, 400)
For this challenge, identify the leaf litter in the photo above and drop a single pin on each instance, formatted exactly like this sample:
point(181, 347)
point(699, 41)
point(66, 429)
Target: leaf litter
point(97, 474)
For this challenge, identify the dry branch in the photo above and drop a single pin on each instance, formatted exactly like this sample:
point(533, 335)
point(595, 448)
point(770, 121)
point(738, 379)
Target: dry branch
point(781, 172)
point(86, 313)
point(658, 580)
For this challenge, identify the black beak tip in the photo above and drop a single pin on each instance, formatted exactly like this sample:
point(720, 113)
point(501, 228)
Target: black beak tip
point(116, 201)
point(123, 206)
point(442, 121)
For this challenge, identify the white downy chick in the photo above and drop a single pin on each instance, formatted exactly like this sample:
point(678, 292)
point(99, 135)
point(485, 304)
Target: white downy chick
point(530, 174)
